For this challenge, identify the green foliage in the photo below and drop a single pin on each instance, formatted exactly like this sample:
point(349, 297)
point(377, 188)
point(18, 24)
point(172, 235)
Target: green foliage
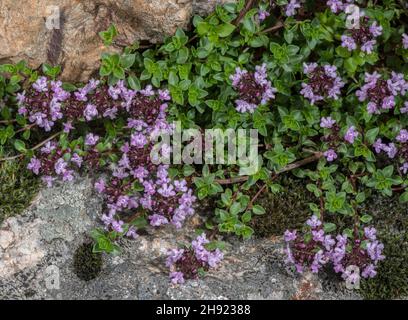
point(14, 130)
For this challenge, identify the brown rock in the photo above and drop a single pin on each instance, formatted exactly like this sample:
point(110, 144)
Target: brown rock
point(30, 31)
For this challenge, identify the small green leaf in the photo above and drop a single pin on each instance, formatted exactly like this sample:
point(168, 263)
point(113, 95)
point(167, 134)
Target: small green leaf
point(134, 82)
point(329, 227)
point(404, 197)
point(225, 29)
point(19, 145)
point(258, 210)
point(366, 218)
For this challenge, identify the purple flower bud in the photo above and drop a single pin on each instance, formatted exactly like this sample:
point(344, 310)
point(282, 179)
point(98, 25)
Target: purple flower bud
point(318, 235)
point(313, 222)
point(402, 136)
point(157, 220)
point(48, 180)
point(290, 235)
point(68, 126)
point(330, 155)
point(291, 8)
point(391, 150)
point(369, 271)
point(41, 85)
point(100, 186)
point(177, 277)
point(262, 15)
point(77, 160)
point(60, 166)
point(117, 225)
point(405, 108)
point(90, 112)
point(327, 122)
point(348, 42)
point(370, 233)
point(173, 256)
point(335, 5)
point(91, 139)
point(375, 29)
point(379, 146)
point(309, 67)
point(404, 168)
point(131, 233)
point(368, 46)
point(351, 135)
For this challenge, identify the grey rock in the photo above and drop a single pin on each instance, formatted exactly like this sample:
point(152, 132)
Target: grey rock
point(61, 220)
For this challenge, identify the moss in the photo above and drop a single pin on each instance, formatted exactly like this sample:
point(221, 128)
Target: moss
point(391, 219)
point(288, 209)
point(391, 281)
point(87, 264)
point(18, 187)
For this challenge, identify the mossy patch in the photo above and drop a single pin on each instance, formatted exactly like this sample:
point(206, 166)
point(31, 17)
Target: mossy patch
point(18, 187)
point(391, 219)
point(288, 209)
point(87, 264)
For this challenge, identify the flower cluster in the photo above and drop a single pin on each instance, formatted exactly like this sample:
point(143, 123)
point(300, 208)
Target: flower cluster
point(139, 183)
point(382, 94)
point(398, 148)
point(324, 82)
point(158, 197)
point(41, 104)
point(351, 135)
point(332, 138)
point(317, 249)
point(253, 88)
point(54, 162)
point(363, 37)
point(189, 263)
point(136, 183)
point(46, 102)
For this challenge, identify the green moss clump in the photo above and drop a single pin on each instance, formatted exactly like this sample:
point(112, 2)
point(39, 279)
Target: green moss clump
point(391, 281)
point(18, 187)
point(288, 209)
point(391, 219)
point(87, 264)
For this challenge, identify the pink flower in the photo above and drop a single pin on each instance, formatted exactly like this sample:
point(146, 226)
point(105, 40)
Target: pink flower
point(327, 122)
point(330, 155)
point(90, 112)
point(402, 136)
point(177, 277)
point(351, 135)
point(100, 186)
point(91, 139)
